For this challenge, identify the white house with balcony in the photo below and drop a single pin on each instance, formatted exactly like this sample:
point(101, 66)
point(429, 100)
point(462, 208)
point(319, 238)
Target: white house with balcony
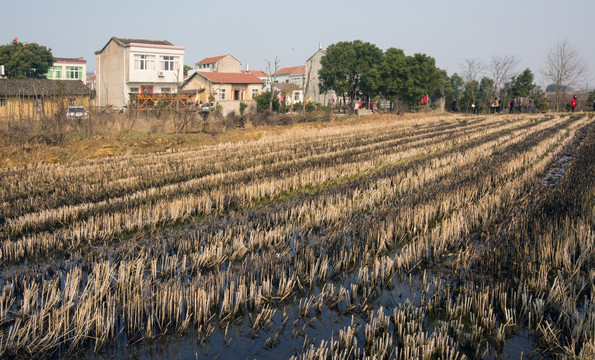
point(134, 66)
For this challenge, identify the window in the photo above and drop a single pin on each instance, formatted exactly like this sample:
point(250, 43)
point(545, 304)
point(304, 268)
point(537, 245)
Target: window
point(169, 63)
point(54, 72)
point(295, 81)
point(296, 96)
point(254, 93)
point(221, 94)
point(146, 89)
point(144, 62)
point(71, 102)
point(134, 90)
point(165, 90)
point(2, 102)
point(74, 72)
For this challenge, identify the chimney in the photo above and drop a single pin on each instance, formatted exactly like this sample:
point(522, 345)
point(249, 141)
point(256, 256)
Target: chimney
point(320, 45)
point(1, 71)
point(248, 68)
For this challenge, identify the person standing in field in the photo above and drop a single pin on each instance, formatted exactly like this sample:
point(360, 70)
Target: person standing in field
point(453, 106)
point(593, 105)
point(573, 103)
point(511, 110)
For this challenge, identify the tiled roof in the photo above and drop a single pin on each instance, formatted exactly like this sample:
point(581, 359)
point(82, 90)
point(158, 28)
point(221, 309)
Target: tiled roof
point(128, 42)
point(70, 60)
point(210, 60)
point(230, 78)
point(38, 87)
point(293, 70)
point(257, 73)
point(125, 42)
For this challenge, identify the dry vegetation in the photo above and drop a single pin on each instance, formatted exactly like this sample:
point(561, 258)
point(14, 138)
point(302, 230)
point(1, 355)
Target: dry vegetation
point(438, 237)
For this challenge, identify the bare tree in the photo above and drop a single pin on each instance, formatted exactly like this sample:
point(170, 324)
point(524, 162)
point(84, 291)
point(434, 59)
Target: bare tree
point(306, 87)
point(501, 69)
point(272, 67)
point(471, 69)
point(564, 66)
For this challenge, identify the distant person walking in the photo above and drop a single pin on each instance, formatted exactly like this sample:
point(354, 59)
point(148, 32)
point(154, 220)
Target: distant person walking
point(476, 107)
point(453, 106)
point(494, 106)
point(573, 103)
point(511, 110)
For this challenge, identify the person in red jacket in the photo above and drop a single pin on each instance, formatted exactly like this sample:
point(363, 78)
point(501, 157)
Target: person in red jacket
point(573, 103)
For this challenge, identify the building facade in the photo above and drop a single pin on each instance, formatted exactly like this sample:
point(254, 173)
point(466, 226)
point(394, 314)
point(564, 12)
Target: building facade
point(313, 89)
point(68, 69)
point(291, 75)
point(35, 99)
point(224, 63)
point(223, 87)
point(134, 66)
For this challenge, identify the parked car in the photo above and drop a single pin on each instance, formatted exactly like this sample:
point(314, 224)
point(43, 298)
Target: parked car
point(207, 106)
point(77, 113)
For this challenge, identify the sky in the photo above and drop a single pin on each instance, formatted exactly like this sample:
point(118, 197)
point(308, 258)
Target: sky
point(450, 31)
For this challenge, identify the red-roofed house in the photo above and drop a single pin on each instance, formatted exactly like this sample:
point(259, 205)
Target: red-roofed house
point(68, 69)
point(225, 86)
point(292, 75)
point(266, 80)
point(224, 63)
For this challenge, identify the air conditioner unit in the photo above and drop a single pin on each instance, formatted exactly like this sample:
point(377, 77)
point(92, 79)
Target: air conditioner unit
point(161, 74)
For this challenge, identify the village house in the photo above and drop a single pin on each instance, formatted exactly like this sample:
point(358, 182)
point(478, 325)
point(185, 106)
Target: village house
point(35, 99)
point(291, 75)
point(266, 80)
point(289, 93)
point(132, 66)
point(224, 63)
point(221, 80)
point(226, 89)
point(313, 65)
point(68, 69)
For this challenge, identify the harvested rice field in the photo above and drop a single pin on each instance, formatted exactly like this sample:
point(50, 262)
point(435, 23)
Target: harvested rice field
point(444, 237)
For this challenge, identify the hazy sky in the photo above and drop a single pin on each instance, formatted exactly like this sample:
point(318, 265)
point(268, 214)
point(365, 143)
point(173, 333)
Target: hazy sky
point(254, 31)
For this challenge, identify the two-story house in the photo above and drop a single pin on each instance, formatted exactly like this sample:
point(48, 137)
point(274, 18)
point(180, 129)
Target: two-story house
point(313, 65)
point(68, 69)
point(133, 66)
point(291, 75)
point(223, 63)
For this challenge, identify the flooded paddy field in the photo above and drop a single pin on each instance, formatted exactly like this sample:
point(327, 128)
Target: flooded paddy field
point(443, 237)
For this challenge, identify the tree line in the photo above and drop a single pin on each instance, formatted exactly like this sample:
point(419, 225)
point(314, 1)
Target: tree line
point(360, 70)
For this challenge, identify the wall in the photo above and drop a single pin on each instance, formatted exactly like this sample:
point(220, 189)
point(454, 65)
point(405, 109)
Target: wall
point(111, 75)
point(229, 64)
point(312, 67)
point(26, 107)
point(229, 106)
